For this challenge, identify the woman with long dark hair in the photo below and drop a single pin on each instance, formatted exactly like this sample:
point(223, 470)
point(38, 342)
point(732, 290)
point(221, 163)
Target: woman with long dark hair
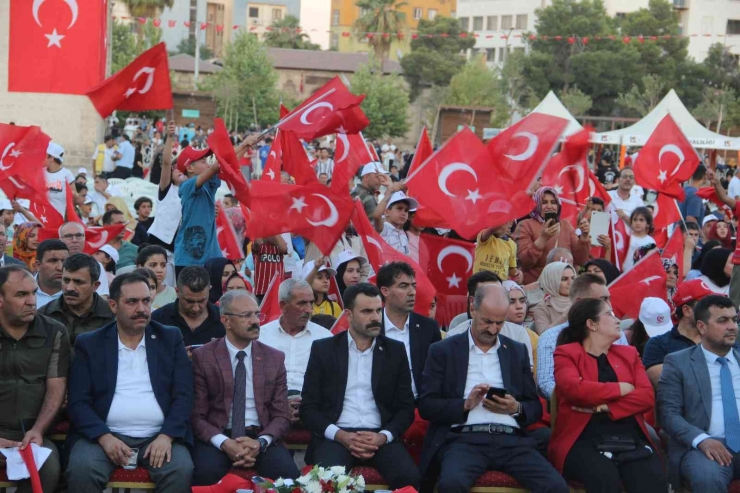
point(716, 270)
point(349, 269)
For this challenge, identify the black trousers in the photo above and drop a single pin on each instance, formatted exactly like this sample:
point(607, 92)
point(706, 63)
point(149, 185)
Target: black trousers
point(392, 460)
point(599, 474)
point(466, 456)
point(212, 464)
point(122, 173)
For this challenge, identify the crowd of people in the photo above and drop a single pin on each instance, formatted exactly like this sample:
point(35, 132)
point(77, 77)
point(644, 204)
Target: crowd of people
point(153, 347)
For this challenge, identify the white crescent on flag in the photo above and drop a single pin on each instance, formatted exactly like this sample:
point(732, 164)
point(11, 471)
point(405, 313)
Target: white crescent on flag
point(532, 143)
point(333, 213)
point(447, 172)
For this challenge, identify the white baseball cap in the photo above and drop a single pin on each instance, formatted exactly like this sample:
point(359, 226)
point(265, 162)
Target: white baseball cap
point(88, 200)
point(112, 252)
point(324, 268)
point(709, 219)
point(82, 171)
point(347, 256)
point(374, 167)
point(5, 205)
point(655, 315)
point(402, 197)
point(56, 151)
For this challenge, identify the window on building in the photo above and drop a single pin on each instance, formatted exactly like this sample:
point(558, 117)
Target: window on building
point(277, 15)
point(464, 23)
point(491, 23)
point(431, 14)
point(418, 12)
point(521, 21)
point(364, 11)
point(491, 54)
point(733, 26)
point(477, 23)
point(506, 22)
point(254, 12)
point(501, 55)
point(334, 41)
point(335, 17)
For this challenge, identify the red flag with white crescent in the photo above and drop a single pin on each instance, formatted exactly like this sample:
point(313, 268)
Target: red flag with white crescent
point(230, 172)
point(270, 307)
point(341, 324)
point(423, 150)
point(22, 162)
point(646, 279)
point(295, 160)
point(665, 211)
point(674, 251)
point(620, 241)
point(271, 170)
point(97, 236)
point(448, 263)
point(350, 155)
point(226, 235)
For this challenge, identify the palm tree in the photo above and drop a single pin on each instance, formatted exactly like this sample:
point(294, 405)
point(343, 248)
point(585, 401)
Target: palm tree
point(146, 8)
point(286, 33)
point(382, 18)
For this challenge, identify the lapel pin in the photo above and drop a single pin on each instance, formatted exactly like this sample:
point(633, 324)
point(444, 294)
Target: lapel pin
point(153, 336)
point(380, 348)
point(505, 346)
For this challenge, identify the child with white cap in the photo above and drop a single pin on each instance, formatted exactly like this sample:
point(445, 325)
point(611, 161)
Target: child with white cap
point(57, 178)
point(391, 214)
point(318, 273)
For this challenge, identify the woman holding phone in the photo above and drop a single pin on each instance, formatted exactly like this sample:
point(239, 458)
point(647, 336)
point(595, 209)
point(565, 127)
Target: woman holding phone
point(543, 231)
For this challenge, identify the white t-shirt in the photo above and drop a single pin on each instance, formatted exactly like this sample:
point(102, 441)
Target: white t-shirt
point(628, 205)
point(635, 244)
point(733, 190)
point(56, 184)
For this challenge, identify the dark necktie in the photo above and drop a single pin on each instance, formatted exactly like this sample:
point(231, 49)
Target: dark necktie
point(729, 406)
point(240, 397)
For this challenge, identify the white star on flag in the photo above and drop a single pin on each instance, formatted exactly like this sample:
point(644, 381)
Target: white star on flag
point(341, 130)
point(15, 153)
point(559, 190)
point(662, 176)
point(130, 91)
point(453, 281)
point(473, 196)
point(54, 39)
point(271, 174)
point(43, 219)
point(298, 204)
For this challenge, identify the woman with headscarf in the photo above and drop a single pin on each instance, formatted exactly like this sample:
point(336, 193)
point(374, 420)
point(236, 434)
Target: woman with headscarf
point(695, 272)
point(25, 243)
point(555, 281)
point(716, 270)
point(120, 204)
point(535, 237)
point(721, 232)
point(349, 269)
point(518, 312)
point(602, 268)
point(219, 270)
point(671, 271)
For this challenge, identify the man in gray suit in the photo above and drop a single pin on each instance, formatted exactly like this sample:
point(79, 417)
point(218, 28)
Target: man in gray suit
point(698, 399)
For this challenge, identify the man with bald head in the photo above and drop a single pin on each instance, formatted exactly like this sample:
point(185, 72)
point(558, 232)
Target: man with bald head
point(560, 255)
point(73, 235)
point(479, 395)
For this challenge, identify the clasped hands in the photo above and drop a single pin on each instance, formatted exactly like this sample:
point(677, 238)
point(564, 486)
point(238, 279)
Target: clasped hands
point(361, 444)
point(242, 451)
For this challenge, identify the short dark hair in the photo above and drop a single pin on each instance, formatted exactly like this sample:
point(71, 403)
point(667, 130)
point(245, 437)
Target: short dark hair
point(352, 292)
point(597, 201)
point(619, 175)
point(324, 320)
point(101, 177)
point(700, 173)
point(581, 312)
point(149, 251)
point(701, 310)
point(79, 261)
point(690, 225)
point(195, 278)
point(123, 280)
point(679, 309)
point(80, 187)
point(647, 214)
point(479, 278)
point(49, 246)
point(109, 137)
point(108, 216)
point(147, 273)
point(9, 269)
point(388, 274)
point(142, 200)
point(583, 283)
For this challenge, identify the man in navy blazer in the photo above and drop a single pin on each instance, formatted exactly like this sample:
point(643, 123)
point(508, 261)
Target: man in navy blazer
point(469, 433)
point(131, 389)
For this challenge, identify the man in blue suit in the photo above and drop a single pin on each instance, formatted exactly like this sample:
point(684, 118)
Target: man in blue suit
point(131, 387)
point(469, 433)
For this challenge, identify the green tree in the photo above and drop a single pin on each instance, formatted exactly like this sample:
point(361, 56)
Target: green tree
point(246, 89)
point(640, 101)
point(576, 101)
point(478, 86)
point(715, 106)
point(433, 61)
point(126, 45)
point(386, 101)
point(514, 83)
point(383, 18)
point(146, 8)
point(187, 47)
point(286, 33)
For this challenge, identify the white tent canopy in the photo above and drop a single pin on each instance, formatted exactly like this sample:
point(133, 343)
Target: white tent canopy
point(552, 106)
point(638, 134)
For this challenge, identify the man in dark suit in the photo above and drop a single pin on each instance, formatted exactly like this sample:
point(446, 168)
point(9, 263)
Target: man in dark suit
point(131, 387)
point(469, 433)
point(241, 399)
point(357, 397)
point(698, 400)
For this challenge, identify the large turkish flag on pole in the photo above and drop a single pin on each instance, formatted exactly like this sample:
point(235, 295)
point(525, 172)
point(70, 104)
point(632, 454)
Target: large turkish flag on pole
point(56, 46)
point(142, 85)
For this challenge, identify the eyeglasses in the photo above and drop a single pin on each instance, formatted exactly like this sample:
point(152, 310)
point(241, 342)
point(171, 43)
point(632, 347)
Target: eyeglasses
point(244, 315)
point(76, 236)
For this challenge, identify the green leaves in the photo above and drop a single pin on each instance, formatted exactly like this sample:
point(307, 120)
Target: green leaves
point(286, 33)
point(386, 101)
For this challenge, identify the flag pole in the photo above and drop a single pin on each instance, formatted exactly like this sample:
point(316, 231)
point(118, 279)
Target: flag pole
point(683, 221)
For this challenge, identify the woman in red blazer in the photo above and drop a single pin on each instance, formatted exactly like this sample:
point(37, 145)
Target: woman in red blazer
point(602, 393)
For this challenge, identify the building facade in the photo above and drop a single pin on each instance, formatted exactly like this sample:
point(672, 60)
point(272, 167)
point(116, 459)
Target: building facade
point(344, 13)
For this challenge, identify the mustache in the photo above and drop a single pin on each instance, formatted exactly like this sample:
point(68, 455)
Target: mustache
point(374, 325)
point(142, 316)
point(73, 294)
point(254, 327)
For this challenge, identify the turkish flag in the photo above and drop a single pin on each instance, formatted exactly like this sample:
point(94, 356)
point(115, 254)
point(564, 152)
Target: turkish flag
point(226, 235)
point(667, 160)
point(142, 85)
point(48, 216)
point(284, 111)
point(350, 155)
point(424, 149)
point(231, 172)
point(665, 211)
point(272, 168)
point(646, 279)
point(295, 160)
point(270, 307)
point(71, 215)
point(567, 172)
point(56, 47)
point(23, 160)
point(448, 263)
point(331, 109)
point(596, 189)
point(709, 193)
point(673, 251)
point(620, 241)
point(380, 253)
point(334, 293)
point(340, 325)
point(313, 211)
point(97, 236)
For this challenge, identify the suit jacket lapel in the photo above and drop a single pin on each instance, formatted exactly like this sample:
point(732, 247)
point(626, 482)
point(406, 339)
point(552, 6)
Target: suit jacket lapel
point(701, 372)
point(462, 358)
point(341, 354)
point(414, 341)
point(378, 360)
point(504, 357)
point(111, 358)
point(151, 344)
point(223, 359)
point(258, 375)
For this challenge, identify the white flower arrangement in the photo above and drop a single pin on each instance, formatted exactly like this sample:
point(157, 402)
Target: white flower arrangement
point(317, 480)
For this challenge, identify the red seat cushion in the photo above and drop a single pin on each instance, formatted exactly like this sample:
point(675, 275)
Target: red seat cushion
point(734, 487)
point(369, 474)
point(61, 428)
point(298, 437)
point(499, 479)
point(3, 475)
point(138, 475)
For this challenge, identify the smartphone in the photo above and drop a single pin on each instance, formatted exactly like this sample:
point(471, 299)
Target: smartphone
point(599, 226)
point(551, 215)
point(195, 346)
point(498, 392)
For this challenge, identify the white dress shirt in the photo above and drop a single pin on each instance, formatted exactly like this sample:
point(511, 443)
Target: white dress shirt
point(513, 331)
point(297, 348)
point(717, 419)
point(484, 368)
point(359, 409)
point(134, 411)
point(250, 412)
point(733, 189)
point(401, 335)
point(633, 202)
point(43, 299)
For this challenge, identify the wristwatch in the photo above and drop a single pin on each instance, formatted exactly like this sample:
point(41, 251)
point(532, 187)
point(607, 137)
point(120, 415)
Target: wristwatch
point(263, 444)
point(518, 412)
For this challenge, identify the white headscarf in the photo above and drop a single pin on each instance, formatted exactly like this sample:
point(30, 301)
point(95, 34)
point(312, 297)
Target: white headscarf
point(550, 282)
